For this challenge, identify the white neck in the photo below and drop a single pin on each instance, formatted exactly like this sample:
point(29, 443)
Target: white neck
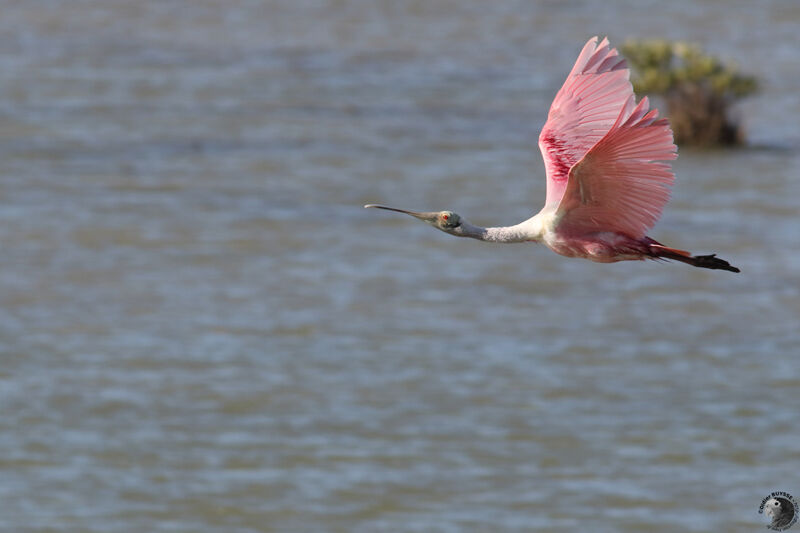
point(530, 230)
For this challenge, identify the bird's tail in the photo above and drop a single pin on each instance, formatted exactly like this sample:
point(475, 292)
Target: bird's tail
point(702, 261)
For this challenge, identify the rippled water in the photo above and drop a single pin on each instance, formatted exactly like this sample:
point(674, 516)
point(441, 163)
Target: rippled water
point(202, 330)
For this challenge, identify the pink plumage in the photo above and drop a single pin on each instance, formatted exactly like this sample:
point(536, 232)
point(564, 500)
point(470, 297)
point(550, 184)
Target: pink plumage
point(583, 112)
point(608, 179)
point(608, 176)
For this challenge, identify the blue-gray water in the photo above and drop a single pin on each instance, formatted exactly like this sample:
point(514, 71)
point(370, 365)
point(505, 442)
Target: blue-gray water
point(201, 329)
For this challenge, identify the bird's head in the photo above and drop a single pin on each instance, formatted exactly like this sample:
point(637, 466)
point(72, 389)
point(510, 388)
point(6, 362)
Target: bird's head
point(446, 221)
point(780, 510)
point(772, 508)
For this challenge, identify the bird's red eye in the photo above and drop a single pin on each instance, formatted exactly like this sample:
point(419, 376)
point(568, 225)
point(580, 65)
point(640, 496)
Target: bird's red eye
point(445, 217)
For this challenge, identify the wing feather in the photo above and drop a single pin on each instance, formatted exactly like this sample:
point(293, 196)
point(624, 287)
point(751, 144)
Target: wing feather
point(622, 183)
point(583, 111)
point(604, 154)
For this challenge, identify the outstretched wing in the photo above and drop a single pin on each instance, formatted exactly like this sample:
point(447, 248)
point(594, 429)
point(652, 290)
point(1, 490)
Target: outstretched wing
point(622, 183)
point(583, 111)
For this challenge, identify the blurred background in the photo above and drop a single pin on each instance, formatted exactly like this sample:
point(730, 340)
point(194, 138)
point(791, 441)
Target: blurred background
point(202, 330)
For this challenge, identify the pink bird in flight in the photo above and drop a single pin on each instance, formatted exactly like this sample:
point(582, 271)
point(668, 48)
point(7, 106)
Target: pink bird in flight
point(608, 178)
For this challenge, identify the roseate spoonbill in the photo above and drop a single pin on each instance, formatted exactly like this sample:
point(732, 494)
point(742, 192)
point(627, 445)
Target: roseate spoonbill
point(607, 175)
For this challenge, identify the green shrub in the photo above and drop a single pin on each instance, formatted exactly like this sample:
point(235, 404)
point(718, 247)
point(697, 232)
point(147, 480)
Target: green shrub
point(698, 89)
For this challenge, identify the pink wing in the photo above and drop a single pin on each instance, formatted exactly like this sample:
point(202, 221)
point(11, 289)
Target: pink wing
point(620, 185)
point(583, 111)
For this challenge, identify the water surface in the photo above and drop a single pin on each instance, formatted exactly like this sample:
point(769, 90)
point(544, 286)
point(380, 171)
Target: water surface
point(202, 330)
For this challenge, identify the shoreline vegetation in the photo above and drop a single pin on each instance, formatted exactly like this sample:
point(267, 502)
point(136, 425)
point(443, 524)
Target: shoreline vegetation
point(699, 90)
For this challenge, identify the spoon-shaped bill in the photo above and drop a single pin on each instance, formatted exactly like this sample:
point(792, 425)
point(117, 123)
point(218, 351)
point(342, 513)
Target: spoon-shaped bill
point(426, 216)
